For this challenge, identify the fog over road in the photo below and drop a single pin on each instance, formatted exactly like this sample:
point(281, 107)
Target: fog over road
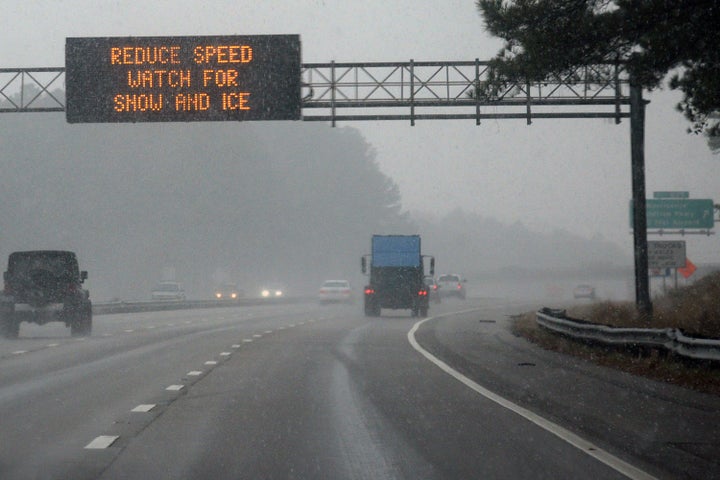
point(304, 391)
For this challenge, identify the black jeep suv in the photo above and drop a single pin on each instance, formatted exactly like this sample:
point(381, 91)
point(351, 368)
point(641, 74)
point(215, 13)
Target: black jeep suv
point(44, 286)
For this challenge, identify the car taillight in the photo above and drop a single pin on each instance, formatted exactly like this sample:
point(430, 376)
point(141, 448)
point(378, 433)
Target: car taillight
point(434, 287)
point(422, 293)
point(369, 291)
point(459, 286)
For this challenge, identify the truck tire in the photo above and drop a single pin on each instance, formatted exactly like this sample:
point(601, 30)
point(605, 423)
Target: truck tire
point(9, 325)
point(81, 325)
point(372, 309)
point(369, 310)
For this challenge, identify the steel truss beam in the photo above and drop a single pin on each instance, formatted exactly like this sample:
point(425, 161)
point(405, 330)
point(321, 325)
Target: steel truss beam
point(407, 91)
point(448, 90)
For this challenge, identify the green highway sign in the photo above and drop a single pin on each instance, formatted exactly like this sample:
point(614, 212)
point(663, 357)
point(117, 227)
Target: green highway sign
point(671, 194)
point(678, 213)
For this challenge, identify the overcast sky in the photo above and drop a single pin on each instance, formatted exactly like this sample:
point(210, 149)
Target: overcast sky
point(555, 174)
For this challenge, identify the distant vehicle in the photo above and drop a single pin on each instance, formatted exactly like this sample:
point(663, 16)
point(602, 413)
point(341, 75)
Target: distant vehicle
point(335, 291)
point(228, 291)
point(272, 290)
point(44, 286)
point(451, 285)
point(171, 291)
point(433, 289)
point(396, 275)
point(584, 291)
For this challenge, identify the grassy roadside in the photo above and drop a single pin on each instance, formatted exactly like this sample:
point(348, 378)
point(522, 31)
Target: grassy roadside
point(694, 309)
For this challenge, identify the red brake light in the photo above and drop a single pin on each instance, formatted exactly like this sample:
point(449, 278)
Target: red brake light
point(422, 293)
point(369, 291)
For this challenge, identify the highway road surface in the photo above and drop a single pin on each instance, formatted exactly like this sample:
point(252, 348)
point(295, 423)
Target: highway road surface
point(307, 392)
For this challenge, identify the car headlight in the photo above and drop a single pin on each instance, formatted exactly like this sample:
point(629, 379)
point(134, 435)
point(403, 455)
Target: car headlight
point(233, 295)
point(218, 295)
point(265, 293)
point(278, 293)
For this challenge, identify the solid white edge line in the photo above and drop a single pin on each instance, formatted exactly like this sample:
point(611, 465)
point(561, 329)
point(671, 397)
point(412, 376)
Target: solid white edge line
point(101, 442)
point(576, 441)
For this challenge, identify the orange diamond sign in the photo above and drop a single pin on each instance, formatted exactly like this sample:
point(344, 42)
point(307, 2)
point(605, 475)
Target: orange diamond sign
point(688, 269)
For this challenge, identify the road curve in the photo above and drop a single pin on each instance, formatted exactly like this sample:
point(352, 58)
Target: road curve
point(302, 391)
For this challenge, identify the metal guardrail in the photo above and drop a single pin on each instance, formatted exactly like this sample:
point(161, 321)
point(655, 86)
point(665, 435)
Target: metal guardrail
point(669, 339)
point(133, 307)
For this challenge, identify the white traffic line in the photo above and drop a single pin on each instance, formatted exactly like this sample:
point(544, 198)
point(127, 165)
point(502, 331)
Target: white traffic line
point(175, 388)
point(576, 441)
point(101, 442)
point(257, 335)
point(50, 345)
point(129, 330)
point(194, 373)
point(225, 354)
point(235, 345)
point(247, 340)
point(143, 407)
point(19, 352)
point(211, 362)
point(268, 332)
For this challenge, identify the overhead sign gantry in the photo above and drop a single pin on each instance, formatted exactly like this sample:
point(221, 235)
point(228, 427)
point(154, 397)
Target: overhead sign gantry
point(325, 92)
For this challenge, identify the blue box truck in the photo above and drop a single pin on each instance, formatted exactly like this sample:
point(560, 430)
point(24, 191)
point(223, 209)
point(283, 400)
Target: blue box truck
point(396, 269)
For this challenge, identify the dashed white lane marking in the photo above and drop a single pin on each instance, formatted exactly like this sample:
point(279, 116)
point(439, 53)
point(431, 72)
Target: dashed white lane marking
point(150, 327)
point(107, 334)
point(52, 345)
point(225, 354)
point(235, 346)
point(257, 335)
point(195, 373)
point(268, 331)
point(175, 388)
point(291, 325)
point(101, 442)
point(19, 352)
point(576, 441)
point(170, 324)
point(187, 322)
point(143, 407)
point(211, 362)
point(247, 340)
point(129, 330)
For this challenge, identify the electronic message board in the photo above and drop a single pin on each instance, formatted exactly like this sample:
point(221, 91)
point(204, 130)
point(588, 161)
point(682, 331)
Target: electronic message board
point(165, 79)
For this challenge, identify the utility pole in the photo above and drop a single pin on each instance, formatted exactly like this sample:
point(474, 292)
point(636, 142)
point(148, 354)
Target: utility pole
point(637, 154)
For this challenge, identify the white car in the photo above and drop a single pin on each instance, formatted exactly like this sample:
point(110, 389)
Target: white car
point(168, 291)
point(451, 285)
point(335, 291)
point(584, 291)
